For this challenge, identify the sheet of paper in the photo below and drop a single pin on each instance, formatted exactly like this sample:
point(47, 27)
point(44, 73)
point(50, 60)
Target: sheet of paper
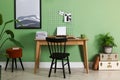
point(61, 30)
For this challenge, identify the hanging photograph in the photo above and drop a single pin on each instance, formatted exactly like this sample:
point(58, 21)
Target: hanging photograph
point(28, 13)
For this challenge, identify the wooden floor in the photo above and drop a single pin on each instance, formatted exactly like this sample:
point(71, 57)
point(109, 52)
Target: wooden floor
point(77, 74)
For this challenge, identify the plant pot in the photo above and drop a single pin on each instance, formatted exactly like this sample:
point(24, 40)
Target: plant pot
point(108, 49)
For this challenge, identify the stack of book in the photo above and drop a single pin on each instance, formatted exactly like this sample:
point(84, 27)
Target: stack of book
point(109, 62)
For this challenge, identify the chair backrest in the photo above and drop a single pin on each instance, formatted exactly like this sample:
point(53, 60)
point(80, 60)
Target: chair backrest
point(56, 44)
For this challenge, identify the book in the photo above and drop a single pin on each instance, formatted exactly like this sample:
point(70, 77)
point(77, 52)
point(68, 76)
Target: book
point(15, 48)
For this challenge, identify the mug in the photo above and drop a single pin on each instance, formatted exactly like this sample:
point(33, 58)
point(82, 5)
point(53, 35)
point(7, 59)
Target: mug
point(82, 35)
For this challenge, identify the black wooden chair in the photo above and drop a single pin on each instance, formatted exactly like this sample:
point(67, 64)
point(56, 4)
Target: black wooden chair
point(57, 49)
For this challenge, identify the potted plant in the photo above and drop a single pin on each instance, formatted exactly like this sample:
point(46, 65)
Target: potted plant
point(10, 34)
point(106, 42)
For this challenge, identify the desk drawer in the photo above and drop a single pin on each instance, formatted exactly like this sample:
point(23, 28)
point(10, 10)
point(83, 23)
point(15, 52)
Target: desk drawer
point(109, 65)
point(108, 57)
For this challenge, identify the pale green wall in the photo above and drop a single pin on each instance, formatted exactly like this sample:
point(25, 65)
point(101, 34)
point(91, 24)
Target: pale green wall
point(90, 17)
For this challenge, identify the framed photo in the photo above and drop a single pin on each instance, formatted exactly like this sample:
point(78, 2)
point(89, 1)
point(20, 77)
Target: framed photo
point(28, 12)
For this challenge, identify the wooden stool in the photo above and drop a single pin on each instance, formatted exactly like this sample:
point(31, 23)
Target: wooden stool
point(14, 53)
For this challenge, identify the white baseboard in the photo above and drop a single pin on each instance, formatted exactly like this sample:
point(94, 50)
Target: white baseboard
point(43, 64)
point(72, 64)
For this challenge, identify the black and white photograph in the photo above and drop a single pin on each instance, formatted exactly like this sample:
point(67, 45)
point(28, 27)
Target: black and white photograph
point(28, 13)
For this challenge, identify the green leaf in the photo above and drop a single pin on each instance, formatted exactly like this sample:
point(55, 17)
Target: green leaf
point(10, 33)
point(1, 20)
point(13, 20)
point(9, 21)
point(17, 43)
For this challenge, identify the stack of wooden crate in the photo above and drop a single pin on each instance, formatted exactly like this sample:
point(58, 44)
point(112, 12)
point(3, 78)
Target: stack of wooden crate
point(109, 62)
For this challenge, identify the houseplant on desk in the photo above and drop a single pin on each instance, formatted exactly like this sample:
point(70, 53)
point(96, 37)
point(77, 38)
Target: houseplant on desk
point(106, 42)
point(7, 32)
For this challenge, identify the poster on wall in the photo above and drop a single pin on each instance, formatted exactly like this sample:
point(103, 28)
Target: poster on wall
point(28, 13)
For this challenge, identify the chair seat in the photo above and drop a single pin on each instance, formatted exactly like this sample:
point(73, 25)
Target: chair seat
point(59, 55)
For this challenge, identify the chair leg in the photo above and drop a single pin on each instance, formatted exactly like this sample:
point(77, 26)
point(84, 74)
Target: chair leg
point(55, 65)
point(15, 63)
point(12, 64)
point(21, 63)
point(68, 65)
point(6, 63)
point(51, 67)
point(63, 68)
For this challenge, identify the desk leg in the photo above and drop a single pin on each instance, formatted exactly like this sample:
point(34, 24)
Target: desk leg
point(85, 57)
point(37, 57)
point(39, 53)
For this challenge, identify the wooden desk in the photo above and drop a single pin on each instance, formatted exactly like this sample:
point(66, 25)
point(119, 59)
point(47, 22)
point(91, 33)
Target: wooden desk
point(82, 42)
